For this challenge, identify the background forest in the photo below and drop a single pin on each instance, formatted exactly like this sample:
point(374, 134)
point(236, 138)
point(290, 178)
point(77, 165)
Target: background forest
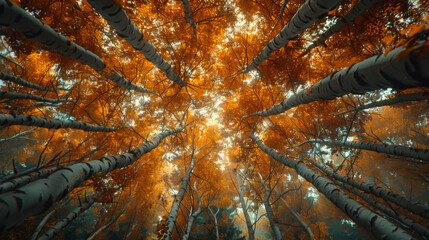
point(205, 119)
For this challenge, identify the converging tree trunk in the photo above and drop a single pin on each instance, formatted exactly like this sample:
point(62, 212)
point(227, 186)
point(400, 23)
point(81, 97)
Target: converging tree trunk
point(188, 16)
point(15, 17)
point(28, 120)
point(22, 82)
point(172, 216)
point(119, 20)
point(401, 98)
point(38, 196)
point(400, 69)
point(306, 15)
point(192, 215)
point(16, 95)
point(417, 153)
point(350, 16)
point(377, 225)
point(270, 215)
point(249, 224)
point(214, 214)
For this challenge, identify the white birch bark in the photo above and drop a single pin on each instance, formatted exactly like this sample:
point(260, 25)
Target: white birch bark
point(417, 153)
point(349, 17)
point(302, 223)
point(17, 18)
point(192, 216)
point(397, 70)
point(270, 215)
point(377, 225)
point(423, 231)
point(120, 21)
point(20, 81)
point(28, 120)
point(172, 216)
point(38, 196)
point(16, 95)
point(215, 221)
point(249, 224)
point(188, 18)
point(307, 14)
point(412, 206)
point(401, 98)
point(69, 218)
point(15, 183)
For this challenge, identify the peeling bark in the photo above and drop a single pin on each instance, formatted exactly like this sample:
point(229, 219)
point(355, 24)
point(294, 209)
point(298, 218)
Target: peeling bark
point(412, 206)
point(17, 18)
point(38, 196)
point(171, 219)
point(119, 20)
point(349, 17)
point(307, 14)
point(28, 120)
point(417, 153)
point(400, 69)
point(401, 98)
point(375, 224)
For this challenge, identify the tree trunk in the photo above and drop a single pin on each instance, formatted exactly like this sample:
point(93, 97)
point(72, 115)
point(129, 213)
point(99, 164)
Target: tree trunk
point(306, 15)
point(377, 225)
point(69, 218)
point(414, 207)
point(417, 153)
point(192, 216)
point(270, 215)
point(15, 17)
point(28, 120)
point(38, 196)
point(215, 221)
point(246, 214)
point(303, 224)
point(400, 69)
point(16, 95)
point(171, 219)
point(188, 16)
point(401, 98)
point(119, 20)
point(350, 16)
point(22, 82)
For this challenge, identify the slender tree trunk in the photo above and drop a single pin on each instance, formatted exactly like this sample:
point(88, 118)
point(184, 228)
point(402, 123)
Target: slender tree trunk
point(171, 219)
point(70, 217)
point(306, 15)
point(401, 98)
point(12, 184)
point(45, 219)
point(113, 220)
point(38, 196)
point(15, 17)
point(246, 214)
point(400, 69)
point(192, 216)
point(377, 225)
point(22, 82)
point(350, 16)
point(28, 120)
point(417, 153)
point(414, 207)
point(119, 20)
point(188, 16)
point(215, 221)
point(274, 227)
point(285, 2)
point(388, 211)
point(303, 224)
point(18, 135)
point(16, 95)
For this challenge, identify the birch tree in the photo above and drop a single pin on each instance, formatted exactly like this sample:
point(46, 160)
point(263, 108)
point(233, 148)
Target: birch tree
point(249, 224)
point(193, 215)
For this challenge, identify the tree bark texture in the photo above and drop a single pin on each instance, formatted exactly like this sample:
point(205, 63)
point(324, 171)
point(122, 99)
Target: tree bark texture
point(417, 153)
point(400, 69)
point(375, 224)
point(16, 95)
point(246, 214)
point(270, 215)
point(307, 14)
point(119, 20)
point(38, 196)
point(17, 18)
point(28, 120)
point(22, 82)
point(349, 17)
point(192, 216)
